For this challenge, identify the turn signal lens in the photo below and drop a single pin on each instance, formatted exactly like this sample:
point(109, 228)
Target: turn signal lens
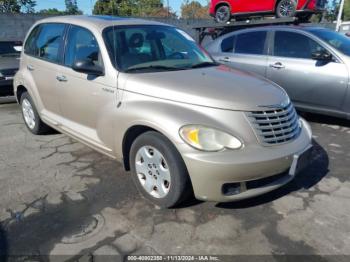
point(208, 139)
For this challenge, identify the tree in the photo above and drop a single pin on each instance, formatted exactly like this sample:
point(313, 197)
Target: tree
point(333, 10)
point(106, 7)
point(51, 11)
point(346, 16)
point(72, 7)
point(194, 10)
point(17, 6)
point(143, 8)
point(163, 12)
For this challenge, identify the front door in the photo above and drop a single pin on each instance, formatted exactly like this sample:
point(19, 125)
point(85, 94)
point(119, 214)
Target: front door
point(307, 81)
point(85, 99)
point(244, 6)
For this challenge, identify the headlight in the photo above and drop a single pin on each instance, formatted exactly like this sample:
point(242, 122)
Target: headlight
point(208, 139)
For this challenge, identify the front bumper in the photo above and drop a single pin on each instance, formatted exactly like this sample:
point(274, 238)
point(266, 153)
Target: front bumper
point(211, 172)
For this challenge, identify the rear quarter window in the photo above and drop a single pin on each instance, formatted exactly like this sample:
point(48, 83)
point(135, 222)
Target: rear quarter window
point(227, 44)
point(29, 46)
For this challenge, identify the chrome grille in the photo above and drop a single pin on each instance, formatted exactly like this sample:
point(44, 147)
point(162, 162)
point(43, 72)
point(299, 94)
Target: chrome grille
point(275, 126)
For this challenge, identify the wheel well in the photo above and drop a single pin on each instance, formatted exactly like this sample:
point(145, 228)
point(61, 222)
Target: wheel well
point(20, 91)
point(276, 3)
point(131, 134)
point(222, 4)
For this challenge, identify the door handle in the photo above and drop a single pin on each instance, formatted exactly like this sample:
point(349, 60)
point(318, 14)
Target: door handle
point(225, 59)
point(61, 78)
point(277, 65)
point(30, 67)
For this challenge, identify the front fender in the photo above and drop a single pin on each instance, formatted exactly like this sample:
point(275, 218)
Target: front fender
point(167, 117)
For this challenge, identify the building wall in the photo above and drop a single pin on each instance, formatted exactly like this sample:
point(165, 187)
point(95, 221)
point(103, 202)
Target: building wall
point(15, 26)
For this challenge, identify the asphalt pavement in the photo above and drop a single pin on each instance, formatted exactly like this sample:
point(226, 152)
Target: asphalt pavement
point(62, 199)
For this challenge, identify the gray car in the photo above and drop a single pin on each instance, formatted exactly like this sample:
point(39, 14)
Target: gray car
point(9, 63)
point(312, 64)
point(146, 94)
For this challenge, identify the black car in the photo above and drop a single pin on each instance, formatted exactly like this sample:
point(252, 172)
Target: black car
point(9, 63)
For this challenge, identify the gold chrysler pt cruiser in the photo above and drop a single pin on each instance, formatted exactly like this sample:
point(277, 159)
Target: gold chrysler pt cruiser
point(146, 94)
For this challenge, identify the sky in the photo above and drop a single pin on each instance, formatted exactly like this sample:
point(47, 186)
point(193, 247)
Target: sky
point(87, 5)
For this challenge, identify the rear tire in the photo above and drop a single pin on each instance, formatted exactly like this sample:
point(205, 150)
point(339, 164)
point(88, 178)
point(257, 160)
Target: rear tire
point(286, 8)
point(31, 117)
point(223, 14)
point(158, 170)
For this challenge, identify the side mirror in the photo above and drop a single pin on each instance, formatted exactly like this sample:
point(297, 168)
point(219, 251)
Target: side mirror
point(87, 67)
point(322, 56)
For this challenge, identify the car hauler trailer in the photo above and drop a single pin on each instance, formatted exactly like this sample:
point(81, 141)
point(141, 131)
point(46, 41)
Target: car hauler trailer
point(215, 30)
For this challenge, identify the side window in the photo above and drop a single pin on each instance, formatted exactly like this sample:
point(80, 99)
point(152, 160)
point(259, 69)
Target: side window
point(81, 45)
point(252, 43)
point(294, 45)
point(45, 42)
point(29, 46)
point(227, 44)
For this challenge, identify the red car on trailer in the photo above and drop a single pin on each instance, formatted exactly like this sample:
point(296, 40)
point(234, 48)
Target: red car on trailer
point(224, 10)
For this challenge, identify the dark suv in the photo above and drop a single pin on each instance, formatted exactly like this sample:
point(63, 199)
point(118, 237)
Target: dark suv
point(9, 63)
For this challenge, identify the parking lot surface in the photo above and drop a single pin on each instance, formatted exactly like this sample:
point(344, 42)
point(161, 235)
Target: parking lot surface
point(59, 197)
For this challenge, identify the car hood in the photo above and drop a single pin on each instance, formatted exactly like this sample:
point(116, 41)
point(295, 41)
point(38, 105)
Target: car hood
point(218, 87)
point(9, 62)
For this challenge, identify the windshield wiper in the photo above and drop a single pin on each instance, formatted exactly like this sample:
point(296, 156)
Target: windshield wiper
point(204, 64)
point(160, 67)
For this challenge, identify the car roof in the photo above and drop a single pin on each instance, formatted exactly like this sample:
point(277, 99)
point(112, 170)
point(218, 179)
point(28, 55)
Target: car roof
point(305, 28)
point(98, 21)
point(286, 27)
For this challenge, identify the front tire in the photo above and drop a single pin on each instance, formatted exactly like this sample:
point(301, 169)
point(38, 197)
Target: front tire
point(31, 117)
point(286, 8)
point(223, 14)
point(158, 170)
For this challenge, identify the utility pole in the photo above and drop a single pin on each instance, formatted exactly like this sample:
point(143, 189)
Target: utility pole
point(340, 14)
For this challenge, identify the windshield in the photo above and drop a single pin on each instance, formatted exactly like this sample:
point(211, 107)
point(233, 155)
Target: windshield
point(10, 48)
point(338, 41)
point(150, 48)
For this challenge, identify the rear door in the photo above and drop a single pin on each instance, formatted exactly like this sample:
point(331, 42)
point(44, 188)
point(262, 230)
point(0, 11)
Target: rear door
point(43, 52)
point(245, 51)
point(308, 82)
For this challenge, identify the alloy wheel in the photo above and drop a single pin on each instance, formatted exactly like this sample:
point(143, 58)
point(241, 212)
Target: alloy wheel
point(286, 8)
point(223, 14)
